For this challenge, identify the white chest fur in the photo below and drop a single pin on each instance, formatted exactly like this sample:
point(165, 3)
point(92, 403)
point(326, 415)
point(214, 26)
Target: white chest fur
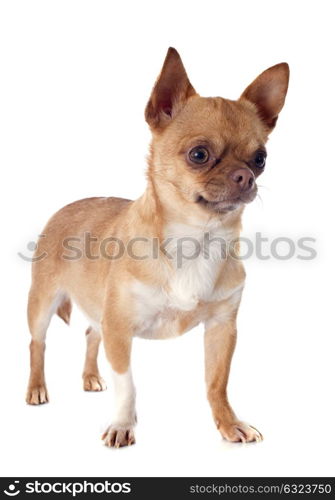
point(196, 256)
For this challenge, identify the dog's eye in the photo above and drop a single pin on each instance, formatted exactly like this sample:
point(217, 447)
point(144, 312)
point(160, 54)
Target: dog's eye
point(260, 159)
point(199, 155)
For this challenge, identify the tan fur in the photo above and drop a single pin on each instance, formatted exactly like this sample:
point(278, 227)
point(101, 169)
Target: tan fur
point(91, 376)
point(64, 311)
point(177, 194)
point(37, 392)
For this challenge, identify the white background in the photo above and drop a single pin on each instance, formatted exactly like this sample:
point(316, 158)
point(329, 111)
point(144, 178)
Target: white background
point(75, 78)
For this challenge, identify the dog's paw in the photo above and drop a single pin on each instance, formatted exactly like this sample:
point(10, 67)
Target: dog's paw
point(94, 383)
point(37, 395)
point(240, 432)
point(118, 436)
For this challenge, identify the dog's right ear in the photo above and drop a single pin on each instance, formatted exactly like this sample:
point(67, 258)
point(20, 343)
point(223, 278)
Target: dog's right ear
point(171, 91)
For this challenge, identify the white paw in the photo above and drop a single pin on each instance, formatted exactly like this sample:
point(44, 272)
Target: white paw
point(240, 432)
point(118, 436)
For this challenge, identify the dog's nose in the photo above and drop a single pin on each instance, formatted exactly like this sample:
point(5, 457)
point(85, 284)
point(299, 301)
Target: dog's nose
point(243, 178)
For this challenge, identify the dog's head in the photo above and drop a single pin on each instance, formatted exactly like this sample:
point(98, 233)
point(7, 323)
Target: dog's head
point(210, 151)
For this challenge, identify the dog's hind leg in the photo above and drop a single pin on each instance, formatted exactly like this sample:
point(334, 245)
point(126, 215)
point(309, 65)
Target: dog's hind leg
point(91, 376)
point(44, 301)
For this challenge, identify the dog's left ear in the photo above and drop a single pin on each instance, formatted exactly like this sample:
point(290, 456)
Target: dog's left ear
point(171, 91)
point(268, 93)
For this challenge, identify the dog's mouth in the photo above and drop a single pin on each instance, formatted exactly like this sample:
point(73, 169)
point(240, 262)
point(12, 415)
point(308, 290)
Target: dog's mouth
point(224, 205)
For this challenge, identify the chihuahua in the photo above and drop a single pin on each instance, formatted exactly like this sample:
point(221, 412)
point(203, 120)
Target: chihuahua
point(133, 280)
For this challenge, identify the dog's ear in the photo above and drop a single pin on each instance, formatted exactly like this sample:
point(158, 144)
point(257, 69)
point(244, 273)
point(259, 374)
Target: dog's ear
point(171, 91)
point(268, 93)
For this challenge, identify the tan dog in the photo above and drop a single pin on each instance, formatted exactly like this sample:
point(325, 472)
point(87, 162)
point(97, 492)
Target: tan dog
point(124, 262)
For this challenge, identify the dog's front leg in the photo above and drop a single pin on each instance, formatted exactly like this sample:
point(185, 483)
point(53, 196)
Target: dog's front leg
point(220, 340)
point(117, 340)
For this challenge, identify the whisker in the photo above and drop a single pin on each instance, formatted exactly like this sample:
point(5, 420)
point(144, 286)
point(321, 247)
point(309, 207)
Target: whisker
point(258, 196)
point(263, 187)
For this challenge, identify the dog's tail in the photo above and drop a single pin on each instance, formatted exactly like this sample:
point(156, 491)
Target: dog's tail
point(64, 310)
